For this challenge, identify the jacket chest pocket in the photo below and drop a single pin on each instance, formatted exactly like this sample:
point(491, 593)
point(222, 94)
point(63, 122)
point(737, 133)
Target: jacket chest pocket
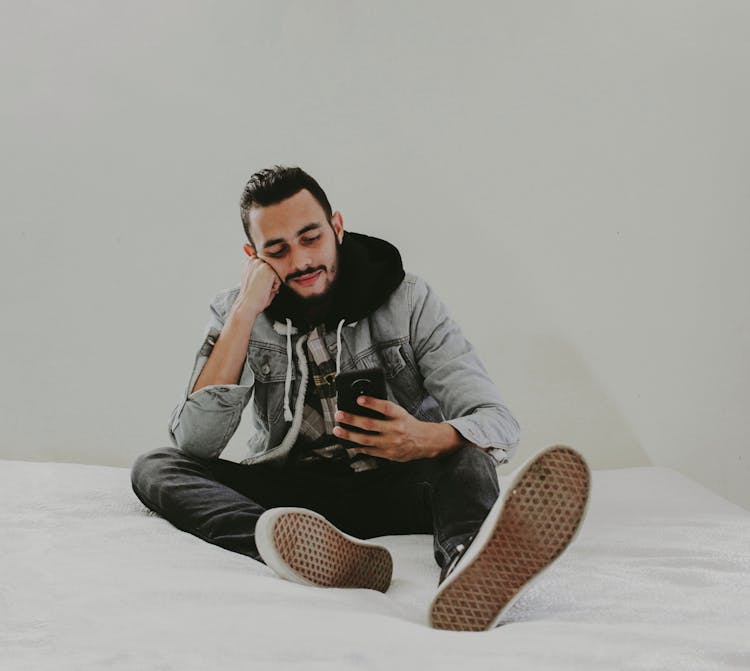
point(401, 375)
point(269, 368)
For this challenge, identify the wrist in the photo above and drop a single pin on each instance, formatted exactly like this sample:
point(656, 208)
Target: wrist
point(244, 311)
point(442, 438)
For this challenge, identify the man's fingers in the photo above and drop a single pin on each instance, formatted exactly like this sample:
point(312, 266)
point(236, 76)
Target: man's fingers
point(380, 405)
point(366, 439)
point(360, 421)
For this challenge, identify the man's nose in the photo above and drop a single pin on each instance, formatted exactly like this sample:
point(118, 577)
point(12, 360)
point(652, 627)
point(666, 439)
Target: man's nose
point(301, 259)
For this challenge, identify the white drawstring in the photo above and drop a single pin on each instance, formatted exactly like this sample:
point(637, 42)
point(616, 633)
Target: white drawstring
point(338, 344)
point(338, 347)
point(287, 385)
point(302, 362)
point(288, 330)
point(296, 418)
point(291, 435)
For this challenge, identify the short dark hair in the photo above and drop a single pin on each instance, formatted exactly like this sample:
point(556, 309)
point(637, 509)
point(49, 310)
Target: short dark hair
point(272, 185)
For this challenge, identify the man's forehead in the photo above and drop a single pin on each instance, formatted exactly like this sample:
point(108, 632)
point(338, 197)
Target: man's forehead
point(287, 218)
point(270, 234)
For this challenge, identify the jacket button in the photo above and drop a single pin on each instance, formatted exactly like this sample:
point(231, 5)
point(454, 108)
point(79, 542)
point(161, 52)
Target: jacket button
point(266, 369)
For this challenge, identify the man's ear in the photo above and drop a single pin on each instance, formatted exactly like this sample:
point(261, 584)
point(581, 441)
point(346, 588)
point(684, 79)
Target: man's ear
point(337, 222)
point(250, 250)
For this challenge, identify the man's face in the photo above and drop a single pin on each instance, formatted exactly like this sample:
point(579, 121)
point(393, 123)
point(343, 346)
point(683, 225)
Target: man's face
point(295, 239)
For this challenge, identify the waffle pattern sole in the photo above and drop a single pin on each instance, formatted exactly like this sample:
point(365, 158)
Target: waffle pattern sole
point(539, 518)
point(317, 551)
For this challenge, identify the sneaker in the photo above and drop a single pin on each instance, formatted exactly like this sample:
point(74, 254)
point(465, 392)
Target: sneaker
point(303, 546)
point(523, 534)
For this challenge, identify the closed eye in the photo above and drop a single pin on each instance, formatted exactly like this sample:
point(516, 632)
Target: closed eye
point(282, 251)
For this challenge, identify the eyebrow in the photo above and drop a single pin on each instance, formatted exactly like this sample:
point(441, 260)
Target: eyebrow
point(301, 231)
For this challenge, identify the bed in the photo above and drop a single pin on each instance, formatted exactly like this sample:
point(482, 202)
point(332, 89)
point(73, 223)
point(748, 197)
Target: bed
point(658, 578)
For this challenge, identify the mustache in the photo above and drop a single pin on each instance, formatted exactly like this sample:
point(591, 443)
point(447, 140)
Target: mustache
point(310, 271)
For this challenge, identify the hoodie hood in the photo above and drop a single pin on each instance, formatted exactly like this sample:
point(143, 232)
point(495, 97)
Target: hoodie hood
point(370, 269)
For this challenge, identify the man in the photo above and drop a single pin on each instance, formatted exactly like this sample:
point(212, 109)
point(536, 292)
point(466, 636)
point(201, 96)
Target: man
point(315, 301)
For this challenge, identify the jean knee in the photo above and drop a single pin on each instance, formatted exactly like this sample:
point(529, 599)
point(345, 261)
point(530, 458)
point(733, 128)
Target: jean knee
point(147, 466)
point(472, 463)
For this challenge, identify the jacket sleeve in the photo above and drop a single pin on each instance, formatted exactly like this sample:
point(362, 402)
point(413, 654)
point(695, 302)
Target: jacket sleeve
point(202, 423)
point(456, 378)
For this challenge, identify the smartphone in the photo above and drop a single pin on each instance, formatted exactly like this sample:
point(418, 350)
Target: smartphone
point(349, 386)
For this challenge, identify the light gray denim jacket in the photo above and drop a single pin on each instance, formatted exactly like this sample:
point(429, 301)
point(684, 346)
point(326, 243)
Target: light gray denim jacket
point(431, 370)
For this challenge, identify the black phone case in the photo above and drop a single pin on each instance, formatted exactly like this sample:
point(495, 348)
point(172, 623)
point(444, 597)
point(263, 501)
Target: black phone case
point(350, 385)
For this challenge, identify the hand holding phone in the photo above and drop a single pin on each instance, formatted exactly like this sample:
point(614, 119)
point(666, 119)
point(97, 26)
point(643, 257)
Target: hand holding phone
point(352, 384)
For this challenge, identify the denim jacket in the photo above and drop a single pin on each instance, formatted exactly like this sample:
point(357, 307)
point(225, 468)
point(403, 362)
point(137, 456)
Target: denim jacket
point(431, 370)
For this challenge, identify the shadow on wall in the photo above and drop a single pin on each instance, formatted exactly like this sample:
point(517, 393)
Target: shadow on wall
point(558, 400)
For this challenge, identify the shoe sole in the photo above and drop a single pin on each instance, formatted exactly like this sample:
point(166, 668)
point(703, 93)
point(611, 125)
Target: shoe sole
point(303, 546)
point(540, 516)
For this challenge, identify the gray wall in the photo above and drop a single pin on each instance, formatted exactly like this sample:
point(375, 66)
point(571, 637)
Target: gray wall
point(571, 177)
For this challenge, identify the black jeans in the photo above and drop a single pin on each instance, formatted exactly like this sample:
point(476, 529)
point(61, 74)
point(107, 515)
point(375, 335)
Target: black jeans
point(220, 501)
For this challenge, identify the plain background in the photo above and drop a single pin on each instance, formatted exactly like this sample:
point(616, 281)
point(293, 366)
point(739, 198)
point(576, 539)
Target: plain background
point(571, 178)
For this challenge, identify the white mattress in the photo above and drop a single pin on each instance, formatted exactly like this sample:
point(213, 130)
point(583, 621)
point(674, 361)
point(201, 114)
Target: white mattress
point(658, 578)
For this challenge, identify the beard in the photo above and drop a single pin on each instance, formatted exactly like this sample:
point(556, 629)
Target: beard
point(317, 305)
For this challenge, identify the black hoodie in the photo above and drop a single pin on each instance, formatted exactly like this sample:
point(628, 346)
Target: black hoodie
point(370, 270)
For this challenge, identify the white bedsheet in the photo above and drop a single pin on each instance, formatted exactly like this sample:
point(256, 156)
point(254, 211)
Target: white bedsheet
point(658, 578)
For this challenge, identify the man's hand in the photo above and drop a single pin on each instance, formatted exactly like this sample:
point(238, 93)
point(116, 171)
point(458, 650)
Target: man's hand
point(400, 436)
point(259, 286)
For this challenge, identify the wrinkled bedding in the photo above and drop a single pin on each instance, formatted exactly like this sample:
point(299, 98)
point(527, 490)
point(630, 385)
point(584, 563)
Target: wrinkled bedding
point(658, 578)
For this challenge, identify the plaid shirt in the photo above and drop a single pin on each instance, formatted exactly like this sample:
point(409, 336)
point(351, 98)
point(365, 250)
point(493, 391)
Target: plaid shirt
point(316, 442)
